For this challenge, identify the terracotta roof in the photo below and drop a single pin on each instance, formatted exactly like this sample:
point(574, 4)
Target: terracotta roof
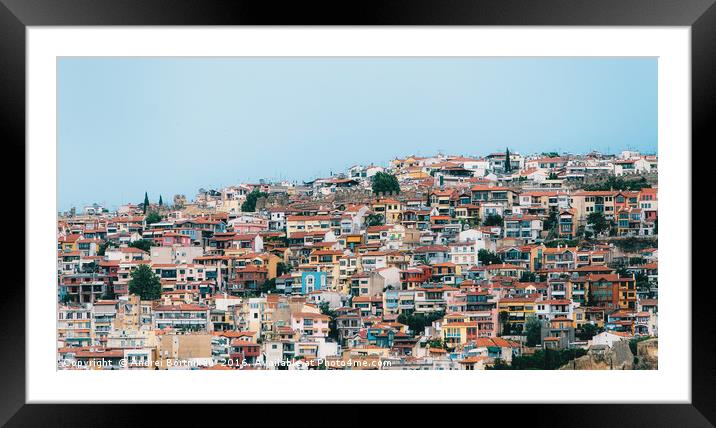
point(180, 307)
point(310, 315)
point(308, 218)
point(431, 249)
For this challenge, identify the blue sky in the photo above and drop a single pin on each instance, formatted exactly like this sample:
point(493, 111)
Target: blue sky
point(173, 125)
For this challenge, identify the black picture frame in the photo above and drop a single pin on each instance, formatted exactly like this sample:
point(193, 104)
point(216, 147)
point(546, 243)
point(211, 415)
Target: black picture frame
point(16, 15)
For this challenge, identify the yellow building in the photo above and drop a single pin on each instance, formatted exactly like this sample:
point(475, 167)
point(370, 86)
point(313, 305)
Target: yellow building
point(390, 209)
point(414, 173)
point(325, 257)
point(580, 316)
point(457, 330)
point(409, 162)
point(299, 223)
point(68, 243)
point(587, 202)
point(353, 240)
point(516, 310)
point(269, 261)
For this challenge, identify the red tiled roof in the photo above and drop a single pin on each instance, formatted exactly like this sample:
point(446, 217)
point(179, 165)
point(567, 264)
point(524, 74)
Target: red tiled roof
point(180, 307)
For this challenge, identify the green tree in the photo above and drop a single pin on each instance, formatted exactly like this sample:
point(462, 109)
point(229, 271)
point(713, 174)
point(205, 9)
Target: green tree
point(249, 204)
point(153, 217)
point(142, 244)
point(487, 257)
point(103, 247)
point(108, 294)
point(417, 322)
point(639, 184)
point(552, 176)
point(160, 201)
point(508, 164)
point(507, 329)
point(277, 241)
point(332, 327)
point(587, 332)
point(551, 221)
point(637, 261)
point(90, 267)
point(493, 220)
point(634, 244)
point(437, 343)
point(618, 183)
point(623, 272)
point(642, 282)
point(374, 220)
point(145, 205)
point(145, 283)
point(503, 323)
point(269, 286)
point(384, 182)
point(528, 276)
point(598, 222)
point(499, 365)
point(533, 330)
point(542, 359)
point(282, 268)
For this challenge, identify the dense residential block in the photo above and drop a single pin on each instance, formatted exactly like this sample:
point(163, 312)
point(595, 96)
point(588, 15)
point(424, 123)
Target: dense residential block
point(473, 263)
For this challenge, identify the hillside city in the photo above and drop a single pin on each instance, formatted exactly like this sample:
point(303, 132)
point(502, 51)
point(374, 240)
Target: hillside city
point(444, 262)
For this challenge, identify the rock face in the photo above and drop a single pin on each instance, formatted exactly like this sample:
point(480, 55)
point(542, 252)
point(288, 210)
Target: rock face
point(601, 357)
point(618, 357)
point(647, 355)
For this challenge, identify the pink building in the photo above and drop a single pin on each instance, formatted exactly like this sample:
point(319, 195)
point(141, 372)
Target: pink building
point(248, 224)
point(171, 238)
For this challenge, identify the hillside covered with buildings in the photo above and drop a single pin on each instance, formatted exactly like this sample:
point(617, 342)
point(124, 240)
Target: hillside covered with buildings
point(501, 261)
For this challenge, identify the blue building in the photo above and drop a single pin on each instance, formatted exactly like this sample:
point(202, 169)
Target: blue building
point(391, 300)
point(380, 337)
point(312, 281)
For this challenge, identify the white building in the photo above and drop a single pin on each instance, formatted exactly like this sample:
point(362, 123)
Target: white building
point(175, 254)
point(525, 227)
point(607, 338)
point(631, 166)
point(310, 325)
point(478, 166)
point(333, 298)
point(464, 253)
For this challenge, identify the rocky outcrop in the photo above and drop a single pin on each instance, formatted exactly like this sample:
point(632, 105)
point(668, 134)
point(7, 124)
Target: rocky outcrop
point(602, 357)
point(618, 357)
point(647, 355)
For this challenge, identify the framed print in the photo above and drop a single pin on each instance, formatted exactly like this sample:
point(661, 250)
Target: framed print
point(423, 203)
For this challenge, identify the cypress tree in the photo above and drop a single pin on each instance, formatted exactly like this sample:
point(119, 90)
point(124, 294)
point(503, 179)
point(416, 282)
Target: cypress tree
point(508, 164)
point(160, 201)
point(146, 202)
